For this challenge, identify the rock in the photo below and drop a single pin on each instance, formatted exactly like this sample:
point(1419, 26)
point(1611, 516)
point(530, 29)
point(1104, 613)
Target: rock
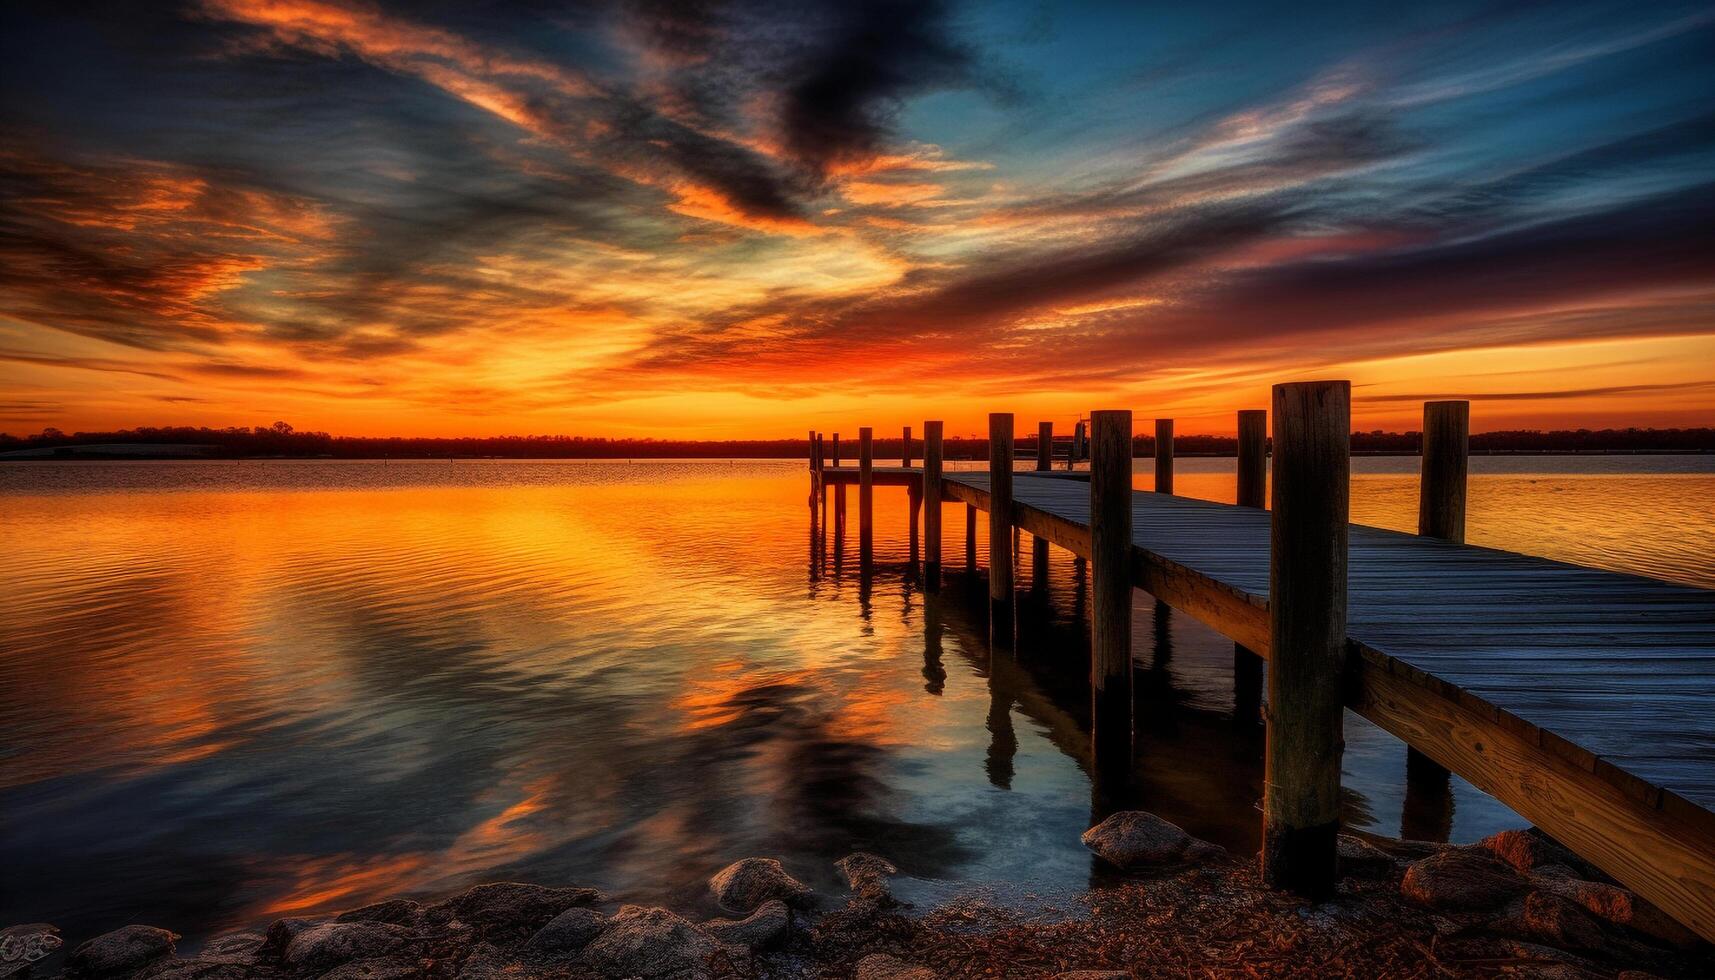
point(1617, 905)
point(743, 885)
point(1551, 919)
point(880, 966)
point(867, 875)
point(1461, 880)
point(280, 935)
point(124, 950)
point(385, 968)
point(1093, 975)
point(763, 928)
point(651, 943)
point(234, 947)
point(323, 947)
point(1359, 858)
point(512, 910)
point(567, 933)
point(1132, 838)
point(486, 962)
point(198, 968)
point(398, 911)
point(1526, 850)
point(27, 944)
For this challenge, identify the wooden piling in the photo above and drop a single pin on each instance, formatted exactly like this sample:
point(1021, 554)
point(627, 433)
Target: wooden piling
point(1446, 464)
point(1252, 492)
point(1307, 635)
point(1000, 527)
point(1110, 604)
point(970, 540)
point(1163, 455)
point(866, 494)
point(932, 506)
point(905, 449)
point(1044, 446)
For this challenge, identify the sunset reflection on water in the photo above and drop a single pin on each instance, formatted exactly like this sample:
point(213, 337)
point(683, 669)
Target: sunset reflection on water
point(237, 691)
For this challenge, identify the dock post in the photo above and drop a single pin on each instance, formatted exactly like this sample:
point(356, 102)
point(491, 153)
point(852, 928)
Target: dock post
point(1307, 635)
point(970, 540)
point(1252, 492)
point(1163, 455)
point(905, 449)
point(1000, 527)
point(932, 506)
point(866, 495)
point(1044, 446)
point(1428, 810)
point(1110, 603)
point(839, 494)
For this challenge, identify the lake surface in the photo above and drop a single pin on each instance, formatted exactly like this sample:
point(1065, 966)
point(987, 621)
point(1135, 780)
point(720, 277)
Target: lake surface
point(236, 691)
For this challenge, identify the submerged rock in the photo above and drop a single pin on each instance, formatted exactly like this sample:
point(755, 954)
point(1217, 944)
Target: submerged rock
point(880, 966)
point(867, 875)
point(652, 943)
point(743, 885)
point(122, 951)
point(1133, 838)
point(1462, 880)
point(325, 946)
point(26, 944)
point(567, 933)
point(769, 924)
point(513, 910)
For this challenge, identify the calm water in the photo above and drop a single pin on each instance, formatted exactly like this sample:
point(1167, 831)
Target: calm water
point(240, 690)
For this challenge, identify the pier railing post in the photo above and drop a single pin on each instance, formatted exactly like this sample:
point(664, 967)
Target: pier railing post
point(905, 449)
point(866, 494)
point(1044, 446)
point(1428, 810)
point(1000, 527)
point(1110, 604)
point(1307, 634)
point(1163, 455)
point(932, 506)
point(1252, 492)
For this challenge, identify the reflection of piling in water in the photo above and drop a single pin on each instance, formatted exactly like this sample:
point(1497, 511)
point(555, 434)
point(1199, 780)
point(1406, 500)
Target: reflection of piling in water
point(1428, 810)
point(934, 675)
point(1252, 492)
point(970, 540)
point(1000, 528)
point(1307, 635)
point(1440, 514)
point(1039, 566)
point(1110, 570)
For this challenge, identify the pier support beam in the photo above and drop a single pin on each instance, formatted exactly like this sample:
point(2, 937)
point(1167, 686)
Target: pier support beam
point(1163, 455)
point(1307, 635)
point(1428, 810)
point(866, 495)
point(1000, 528)
point(932, 506)
point(1252, 492)
point(1044, 446)
point(1110, 604)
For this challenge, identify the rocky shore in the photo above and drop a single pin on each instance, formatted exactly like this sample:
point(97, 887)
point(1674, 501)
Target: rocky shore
point(1516, 904)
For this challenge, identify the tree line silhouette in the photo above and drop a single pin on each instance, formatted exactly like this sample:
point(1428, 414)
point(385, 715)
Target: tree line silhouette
point(281, 439)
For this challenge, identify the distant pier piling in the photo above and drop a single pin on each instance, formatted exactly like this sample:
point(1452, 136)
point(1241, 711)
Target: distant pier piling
point(1000, 528)
point(1307, 635)
point(866, 495)
point(1044, 446)
point(1163, 455)
point(932, 506)
point(1252, 492)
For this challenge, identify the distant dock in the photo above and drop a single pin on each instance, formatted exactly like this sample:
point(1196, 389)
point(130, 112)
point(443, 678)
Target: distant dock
point(1582, 699)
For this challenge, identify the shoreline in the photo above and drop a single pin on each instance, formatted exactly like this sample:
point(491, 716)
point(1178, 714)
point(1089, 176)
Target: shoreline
point(1515, 904)
point(34, 456)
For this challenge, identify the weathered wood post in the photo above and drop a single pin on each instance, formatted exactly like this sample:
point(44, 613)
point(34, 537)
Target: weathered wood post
point(905, 449)
point(913, 494)
point(1163, 455)
point(1428, 810)
point(932, 506)
point(839, 493)
point(866, 494)
point(1253, 487)
point(1307, 635)
point(1110, 603)
point(1000, 527)
point(1077, 452)
point(1044, 446)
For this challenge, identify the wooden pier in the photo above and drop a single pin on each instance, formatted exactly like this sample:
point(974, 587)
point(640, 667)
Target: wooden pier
point(1582, 699)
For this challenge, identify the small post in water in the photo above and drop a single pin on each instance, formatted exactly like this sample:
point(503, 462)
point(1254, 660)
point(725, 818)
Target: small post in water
point(970, 540)
point(932, 506)
point(1110, 603)
point(1307, 635)
point(1000, 527)
point(905, 449)
point(1044, 446)
point(866, 494)
point(1163, 455)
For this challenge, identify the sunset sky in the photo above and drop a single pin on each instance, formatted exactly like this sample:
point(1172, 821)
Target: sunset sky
point(706, 219)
